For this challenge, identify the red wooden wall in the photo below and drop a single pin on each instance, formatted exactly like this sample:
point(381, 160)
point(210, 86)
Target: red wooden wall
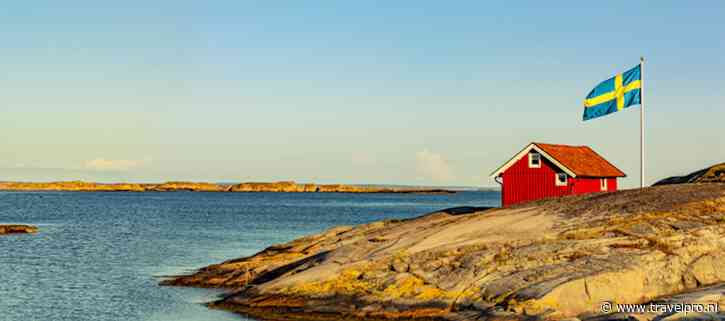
point(523, 184)
point(581, 185)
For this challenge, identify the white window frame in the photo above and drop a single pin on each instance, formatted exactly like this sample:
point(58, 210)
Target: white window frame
point(531, 158)
point(603, 184)
point(558, 182)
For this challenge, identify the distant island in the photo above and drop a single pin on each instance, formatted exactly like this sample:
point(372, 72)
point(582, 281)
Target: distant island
point(284, 186)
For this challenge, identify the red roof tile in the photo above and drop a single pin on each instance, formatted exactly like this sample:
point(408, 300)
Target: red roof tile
point(581, 160)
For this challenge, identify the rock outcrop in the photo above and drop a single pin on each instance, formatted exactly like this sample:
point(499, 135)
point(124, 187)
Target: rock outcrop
point(79, 186)
point(17, 229)
point(713, 174)
point(552, 259)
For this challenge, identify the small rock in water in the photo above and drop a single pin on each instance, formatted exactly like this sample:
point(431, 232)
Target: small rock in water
point(17, 229)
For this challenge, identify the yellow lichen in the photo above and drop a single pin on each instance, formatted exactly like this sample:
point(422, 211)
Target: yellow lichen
point(405, 287)
point(411, 286)
point(348, 282)
point(429, 293)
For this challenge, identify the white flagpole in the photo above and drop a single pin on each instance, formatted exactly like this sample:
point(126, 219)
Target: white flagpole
point(641, 123)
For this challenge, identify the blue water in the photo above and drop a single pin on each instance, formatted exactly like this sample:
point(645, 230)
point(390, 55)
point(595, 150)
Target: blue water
point(98, 256)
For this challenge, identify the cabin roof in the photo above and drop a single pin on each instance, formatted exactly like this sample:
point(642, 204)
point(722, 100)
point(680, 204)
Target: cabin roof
point(577, 161)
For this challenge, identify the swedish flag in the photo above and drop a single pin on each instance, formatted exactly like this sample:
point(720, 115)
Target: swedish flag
point(614, 94)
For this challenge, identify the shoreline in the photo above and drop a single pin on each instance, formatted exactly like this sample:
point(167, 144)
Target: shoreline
point(547, 260)
point(247, 187)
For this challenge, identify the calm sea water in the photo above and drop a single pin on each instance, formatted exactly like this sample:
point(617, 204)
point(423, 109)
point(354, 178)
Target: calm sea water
point(98, 256)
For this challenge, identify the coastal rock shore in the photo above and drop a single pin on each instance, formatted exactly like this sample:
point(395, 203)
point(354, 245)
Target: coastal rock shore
point(17, 229)
point(552, 259)
point(286, 186)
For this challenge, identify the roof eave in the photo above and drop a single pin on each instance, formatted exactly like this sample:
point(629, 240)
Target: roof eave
point(602, 176)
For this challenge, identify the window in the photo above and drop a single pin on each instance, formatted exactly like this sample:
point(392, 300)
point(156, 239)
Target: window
point(534, 160)
point(561, 179)
point(603, 184)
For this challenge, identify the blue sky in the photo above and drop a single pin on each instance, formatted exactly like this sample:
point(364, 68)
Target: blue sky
point(354, 92)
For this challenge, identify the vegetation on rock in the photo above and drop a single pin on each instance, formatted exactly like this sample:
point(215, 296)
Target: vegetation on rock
point(713, 174)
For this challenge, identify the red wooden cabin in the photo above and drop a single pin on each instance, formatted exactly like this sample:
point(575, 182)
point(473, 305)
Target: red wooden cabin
point(547, 170)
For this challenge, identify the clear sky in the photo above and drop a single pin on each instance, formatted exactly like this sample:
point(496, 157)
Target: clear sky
point(396, 92)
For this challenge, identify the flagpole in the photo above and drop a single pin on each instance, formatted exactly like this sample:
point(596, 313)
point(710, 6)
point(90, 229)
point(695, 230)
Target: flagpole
point(641, 123)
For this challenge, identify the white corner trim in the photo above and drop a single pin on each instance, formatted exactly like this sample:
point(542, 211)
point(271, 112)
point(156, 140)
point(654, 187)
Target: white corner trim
point(525, 152)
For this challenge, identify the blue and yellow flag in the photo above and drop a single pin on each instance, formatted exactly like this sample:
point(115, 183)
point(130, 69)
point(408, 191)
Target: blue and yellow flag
point(614, 94)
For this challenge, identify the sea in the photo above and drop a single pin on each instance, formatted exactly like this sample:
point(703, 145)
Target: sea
point(99, 256)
